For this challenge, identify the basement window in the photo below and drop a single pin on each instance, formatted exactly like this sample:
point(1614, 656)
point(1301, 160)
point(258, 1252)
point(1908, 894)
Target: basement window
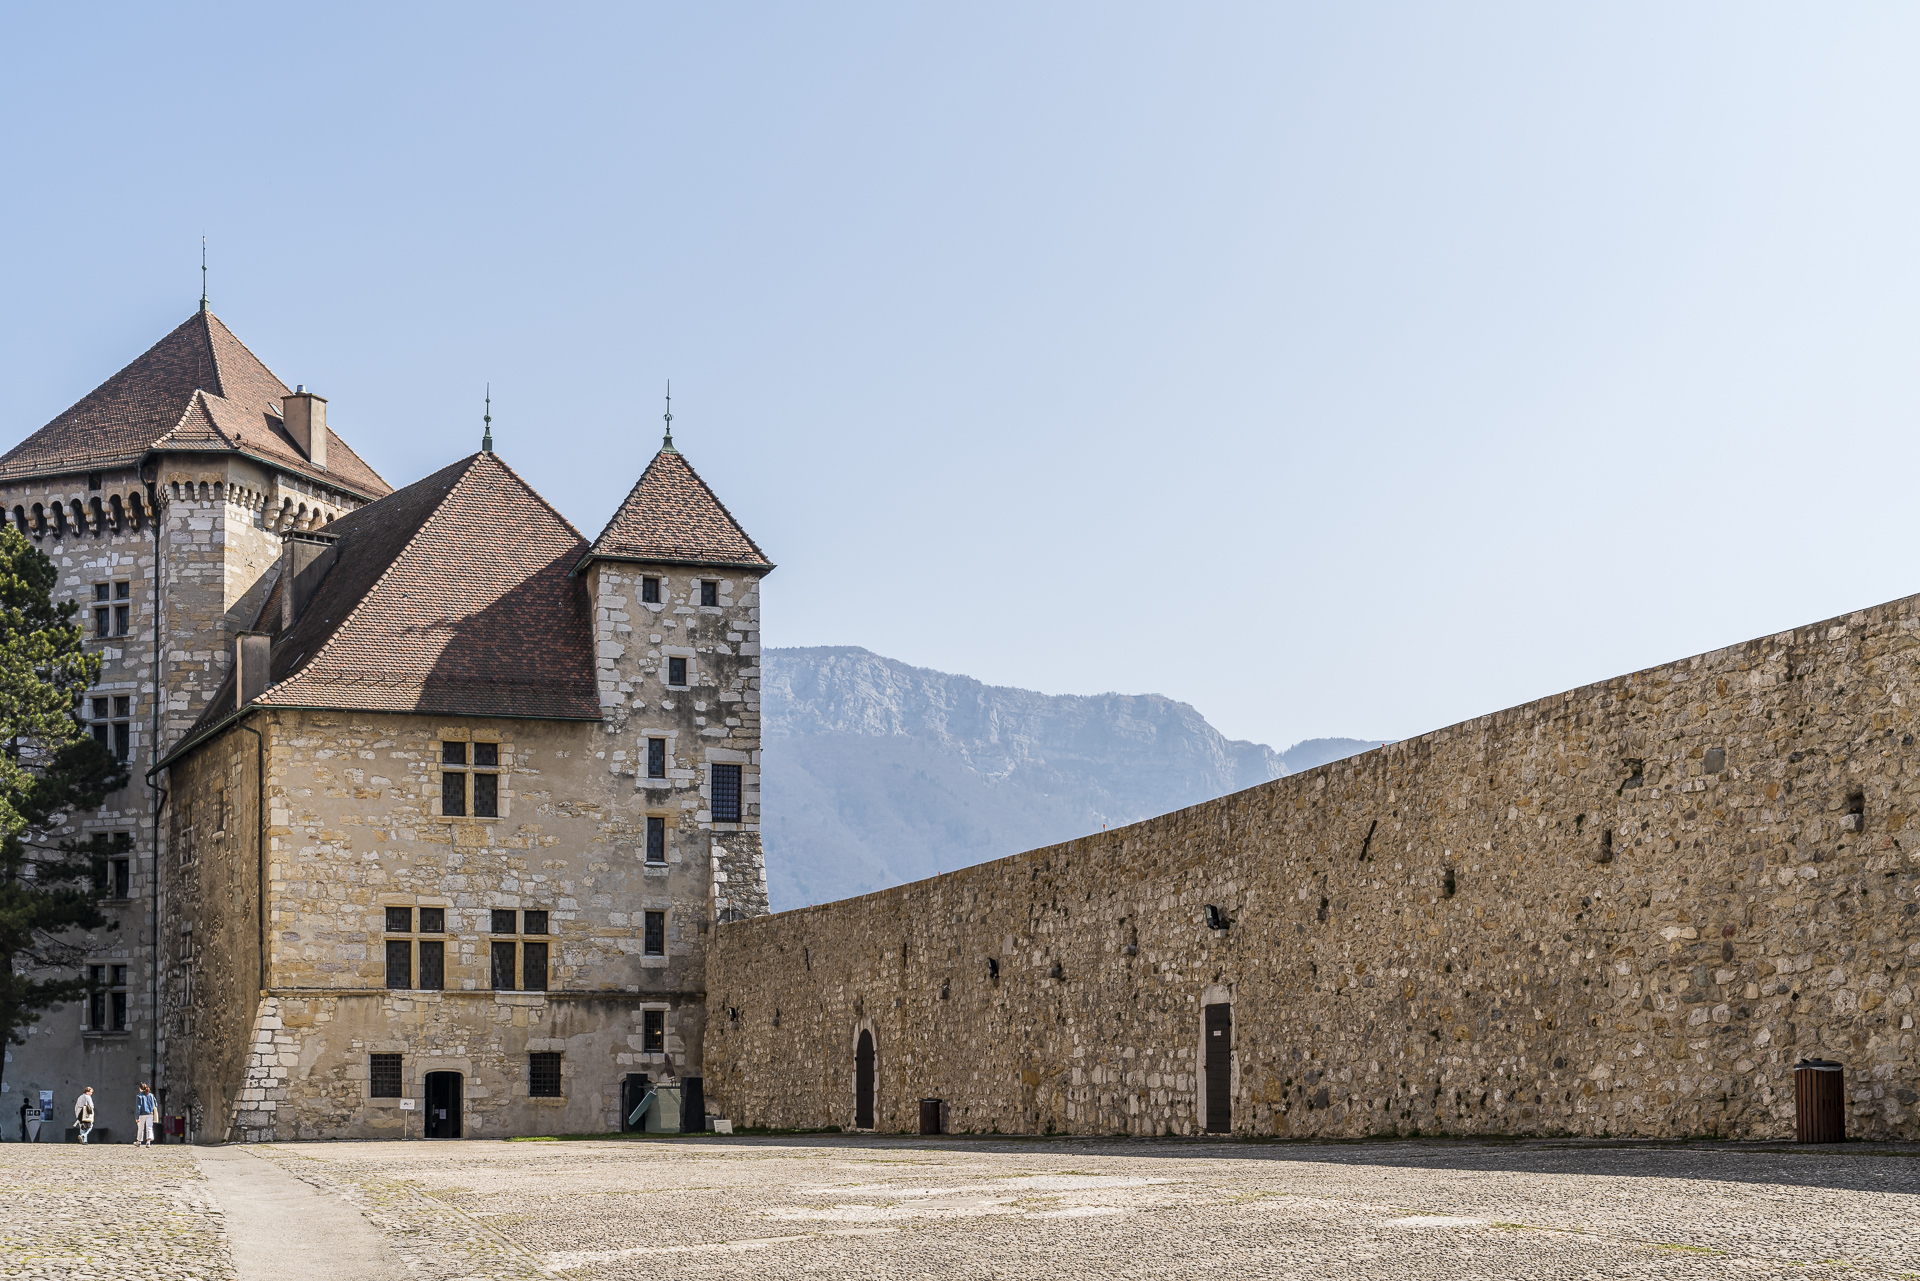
point(653, 1031)
point(543, 1075)
point(656, 840)
point(383, 1076)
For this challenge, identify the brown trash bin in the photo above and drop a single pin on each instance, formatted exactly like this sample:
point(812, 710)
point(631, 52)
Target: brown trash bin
point(929, 1116)
point(1819, 1102)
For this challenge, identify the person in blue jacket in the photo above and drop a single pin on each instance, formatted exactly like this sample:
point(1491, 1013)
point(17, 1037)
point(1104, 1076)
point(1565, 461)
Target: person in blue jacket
point(145, 1109)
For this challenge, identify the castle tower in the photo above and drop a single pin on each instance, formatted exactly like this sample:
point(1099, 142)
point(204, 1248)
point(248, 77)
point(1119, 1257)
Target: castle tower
point(675, 584)
point(162, 496)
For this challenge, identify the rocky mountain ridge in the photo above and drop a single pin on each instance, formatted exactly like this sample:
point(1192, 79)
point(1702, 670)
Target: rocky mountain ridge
point(877, 772)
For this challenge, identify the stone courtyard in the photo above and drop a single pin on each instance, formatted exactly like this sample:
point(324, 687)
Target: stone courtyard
point(832, 1206)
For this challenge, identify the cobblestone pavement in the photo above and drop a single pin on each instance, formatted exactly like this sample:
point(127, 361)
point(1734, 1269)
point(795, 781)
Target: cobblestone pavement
point(954, 1208)
point(831, 1206)
point(108, 1211)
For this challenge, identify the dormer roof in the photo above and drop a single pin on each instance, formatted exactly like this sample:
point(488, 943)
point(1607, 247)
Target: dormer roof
point(672, 518)
point(198, 390)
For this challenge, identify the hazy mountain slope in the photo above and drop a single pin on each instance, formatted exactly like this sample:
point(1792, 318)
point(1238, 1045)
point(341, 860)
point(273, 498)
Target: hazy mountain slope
point(1310, 752)
point(878, 773)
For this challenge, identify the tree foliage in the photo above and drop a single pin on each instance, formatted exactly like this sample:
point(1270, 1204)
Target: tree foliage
point(51, 771)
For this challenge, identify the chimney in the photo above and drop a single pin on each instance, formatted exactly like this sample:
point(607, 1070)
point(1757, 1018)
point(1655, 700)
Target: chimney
point(252, 655)
point(305, 416)
point(305, 558)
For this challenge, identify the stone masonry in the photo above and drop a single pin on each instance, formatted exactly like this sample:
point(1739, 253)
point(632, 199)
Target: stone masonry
point(1624, 910)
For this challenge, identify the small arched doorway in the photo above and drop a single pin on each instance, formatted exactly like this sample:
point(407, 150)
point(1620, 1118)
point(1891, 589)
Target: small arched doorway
point(443, 1105)
point(863, 1082)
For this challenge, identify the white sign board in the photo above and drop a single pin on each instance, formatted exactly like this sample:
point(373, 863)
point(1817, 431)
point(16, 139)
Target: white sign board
point(406, 1105)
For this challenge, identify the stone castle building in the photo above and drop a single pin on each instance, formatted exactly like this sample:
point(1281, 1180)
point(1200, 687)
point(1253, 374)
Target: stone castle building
point(435, 801)
point(447, 823)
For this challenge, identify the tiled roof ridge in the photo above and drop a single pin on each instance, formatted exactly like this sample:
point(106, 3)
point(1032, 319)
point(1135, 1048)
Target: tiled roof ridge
point(211, 320)
point(340, 629)
point(699, 480)
point(507, 467)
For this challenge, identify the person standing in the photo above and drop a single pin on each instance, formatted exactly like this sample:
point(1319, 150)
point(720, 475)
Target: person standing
point(83, 1113)
point(145, 1109)
point(24, 1105)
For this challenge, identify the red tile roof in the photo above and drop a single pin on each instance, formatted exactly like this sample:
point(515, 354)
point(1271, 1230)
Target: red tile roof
point(197, 390)
point(672, 518)
point(453, 596)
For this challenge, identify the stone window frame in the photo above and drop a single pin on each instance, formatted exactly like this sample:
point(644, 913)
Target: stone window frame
point(723, 590)
point(642, 781)
point(518, 939)
point(667, 850)
point(112, 979)
point(749, 784)
point(663, 1010)
point(112, 717)
point(414, 936)
point(669, 652)
point(112, 610)
point(437, 769)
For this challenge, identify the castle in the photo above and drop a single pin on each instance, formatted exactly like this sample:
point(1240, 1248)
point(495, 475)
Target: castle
point(446, 823)
point(435, 802)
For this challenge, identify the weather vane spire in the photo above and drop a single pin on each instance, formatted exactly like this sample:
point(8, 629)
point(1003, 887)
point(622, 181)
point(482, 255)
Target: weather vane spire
point(203, 273)
point(486, 436)
point(668, 442)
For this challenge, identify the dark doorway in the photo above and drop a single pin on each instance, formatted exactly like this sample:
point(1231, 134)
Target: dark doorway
point(443, 1105)
point(632, 1090)
point(1219, 1069)
point(863, 1083)
point(693, 1104)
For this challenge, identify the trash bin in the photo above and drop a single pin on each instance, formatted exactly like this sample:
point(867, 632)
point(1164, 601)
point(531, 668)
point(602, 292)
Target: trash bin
point(929, 1116)
point(1819, 1102)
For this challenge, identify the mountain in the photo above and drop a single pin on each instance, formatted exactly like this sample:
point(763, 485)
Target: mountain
point(876, 773)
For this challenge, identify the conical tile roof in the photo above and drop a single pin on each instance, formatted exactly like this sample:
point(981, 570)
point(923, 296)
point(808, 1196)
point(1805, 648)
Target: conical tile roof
point(672, 518)
point(197, 390)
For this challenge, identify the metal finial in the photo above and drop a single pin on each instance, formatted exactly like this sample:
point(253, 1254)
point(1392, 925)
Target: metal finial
point(486, 438)
point(203, 273)
point(668, 442)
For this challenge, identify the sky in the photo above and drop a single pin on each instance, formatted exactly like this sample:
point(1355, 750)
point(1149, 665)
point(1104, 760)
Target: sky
point(1339, 369)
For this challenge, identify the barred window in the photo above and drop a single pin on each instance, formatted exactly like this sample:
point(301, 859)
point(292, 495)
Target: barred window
point(653, 1031)
point(400, 964)
point(433, 965)
point(656, 840)
point(384, 1076)
point(656, 934)
point(533, 967)
point(726, 793)
point(543, 1075)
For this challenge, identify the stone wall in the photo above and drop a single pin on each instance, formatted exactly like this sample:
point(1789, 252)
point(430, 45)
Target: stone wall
point(354, 827)
point(98, 530)
point(1623, 910)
